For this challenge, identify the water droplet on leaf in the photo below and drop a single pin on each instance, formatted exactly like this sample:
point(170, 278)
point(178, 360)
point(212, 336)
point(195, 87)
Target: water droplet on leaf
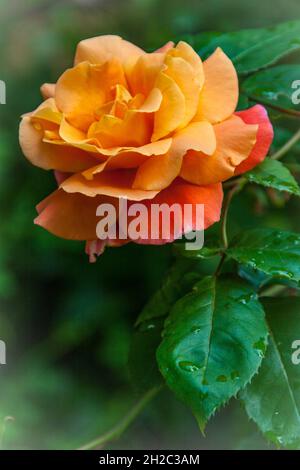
point(234, 375)
point(222, 378)
point(260, 346)
point(188, 366)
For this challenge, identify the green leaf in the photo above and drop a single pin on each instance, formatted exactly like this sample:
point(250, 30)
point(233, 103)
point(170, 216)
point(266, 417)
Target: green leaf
point(142, 362)
point(253, 49)
point(243, 102)
point(143, 369)
point(272, 251)
point(273, 174)
point(200, 41)
point(272, 399)
point(203, 253)
point(178, 281)
point(274, 87)
point(213, 343)
point(253, 276)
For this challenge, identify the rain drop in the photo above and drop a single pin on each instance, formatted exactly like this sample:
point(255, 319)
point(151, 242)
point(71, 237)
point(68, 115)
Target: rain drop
point(234, 375)
point(188, 366)
point(260, 347)
point(222, 378)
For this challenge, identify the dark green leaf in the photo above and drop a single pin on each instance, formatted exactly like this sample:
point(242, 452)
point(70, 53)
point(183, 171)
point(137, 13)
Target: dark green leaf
point(274, 87)
point(213, 343)
point(273, 252)
point(253, 276)
point(253, 49)
point(147, 336)
point(243, 102)
point(200, 41)
point(142, 363)
point(205, 252)
point(273, 174)
point(272, 399)
point(178, 281)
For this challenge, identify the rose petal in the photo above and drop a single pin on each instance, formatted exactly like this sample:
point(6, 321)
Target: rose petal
point(159, 171)
point(117, 183)
point(48, 112)
point(70, 216)
point(49, 156)
point(172, 109)
point(101, 49)
point(130, 158)
point(219, 95)
point(61, 176)
point(48, 90)
point(169, 45)
point(81, 90)
point(152, 103)
point(183, 193)
point(71, 134)
point(189, 83)
point(187, 53)
point(144, 74)
point(256, 115)
point(235, 140)
point(94, 248)
point(132, 131)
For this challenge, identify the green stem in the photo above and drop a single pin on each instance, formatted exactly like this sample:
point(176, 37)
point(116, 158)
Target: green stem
point(120, 427)
point(220, 265)
point(238, 186)
point(233, 191)
point(232, 182)
point(287, 146)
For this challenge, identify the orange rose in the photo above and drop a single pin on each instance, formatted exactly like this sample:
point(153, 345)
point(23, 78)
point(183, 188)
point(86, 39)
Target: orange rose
point(152, 127)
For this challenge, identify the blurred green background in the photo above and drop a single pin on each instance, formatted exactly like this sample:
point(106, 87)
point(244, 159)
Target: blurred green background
point(67, 324)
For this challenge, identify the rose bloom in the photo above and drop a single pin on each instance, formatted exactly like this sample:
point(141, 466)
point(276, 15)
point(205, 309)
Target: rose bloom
point(155, 127)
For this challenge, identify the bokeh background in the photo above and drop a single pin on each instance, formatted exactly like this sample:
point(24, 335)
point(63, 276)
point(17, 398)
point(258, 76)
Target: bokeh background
point(67, 324)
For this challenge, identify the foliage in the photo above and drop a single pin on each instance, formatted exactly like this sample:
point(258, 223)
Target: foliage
point(215, 335)
point(69, 325)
